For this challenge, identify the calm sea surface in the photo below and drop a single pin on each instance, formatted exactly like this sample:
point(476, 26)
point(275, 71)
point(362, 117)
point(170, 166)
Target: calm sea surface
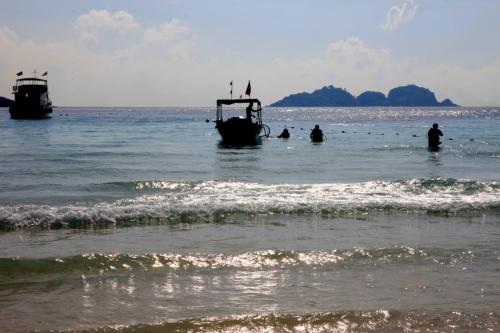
point(139, 220)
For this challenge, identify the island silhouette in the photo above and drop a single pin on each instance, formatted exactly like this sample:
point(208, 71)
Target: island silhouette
point(5, 102)
point(409, 95)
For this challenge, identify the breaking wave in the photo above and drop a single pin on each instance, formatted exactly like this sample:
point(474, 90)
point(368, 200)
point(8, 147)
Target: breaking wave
point(214, 201)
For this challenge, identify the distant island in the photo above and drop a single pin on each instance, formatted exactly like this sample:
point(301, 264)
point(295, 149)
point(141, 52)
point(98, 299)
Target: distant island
point(5, 102)
point(410, 95)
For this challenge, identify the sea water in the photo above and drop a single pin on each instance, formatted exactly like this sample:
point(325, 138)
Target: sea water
point(139, 220)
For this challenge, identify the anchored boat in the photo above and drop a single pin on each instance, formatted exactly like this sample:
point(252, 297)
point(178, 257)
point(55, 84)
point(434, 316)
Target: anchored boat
point(239, 130)
point(31, 99)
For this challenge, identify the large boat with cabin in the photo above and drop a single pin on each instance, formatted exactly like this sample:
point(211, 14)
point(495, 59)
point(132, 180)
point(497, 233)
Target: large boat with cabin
point(31, 98)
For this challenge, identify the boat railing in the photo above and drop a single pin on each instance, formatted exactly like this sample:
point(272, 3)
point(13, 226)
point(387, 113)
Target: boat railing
point(30, 82)
point(259, 115)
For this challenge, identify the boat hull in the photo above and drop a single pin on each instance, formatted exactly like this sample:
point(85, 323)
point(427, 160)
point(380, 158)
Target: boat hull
point(239, 131)
point(17, 112)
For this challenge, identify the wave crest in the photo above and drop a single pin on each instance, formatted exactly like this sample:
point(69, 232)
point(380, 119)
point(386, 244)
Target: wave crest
point(340, 321)
point(213, 201)
point(19, 270)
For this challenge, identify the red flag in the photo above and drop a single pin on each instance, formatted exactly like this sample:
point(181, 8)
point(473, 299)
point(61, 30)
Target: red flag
point(249, 89)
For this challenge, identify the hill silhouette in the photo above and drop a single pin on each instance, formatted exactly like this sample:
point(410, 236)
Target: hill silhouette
point(5, 102)
point(326, 96)
point(410, 95)
point(371, 98)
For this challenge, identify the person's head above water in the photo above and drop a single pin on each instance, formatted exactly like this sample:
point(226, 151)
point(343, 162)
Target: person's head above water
point(435, 125)
point(316, 127)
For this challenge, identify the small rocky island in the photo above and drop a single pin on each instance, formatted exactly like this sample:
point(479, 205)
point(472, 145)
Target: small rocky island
point(5, 102)
point(410, 95)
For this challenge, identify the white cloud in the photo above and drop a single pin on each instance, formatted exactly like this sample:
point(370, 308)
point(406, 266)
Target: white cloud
point(96, 22)
point(400, 15)
point(181, 51)
point(354, 51)
point(154, 74)
point(166, 32)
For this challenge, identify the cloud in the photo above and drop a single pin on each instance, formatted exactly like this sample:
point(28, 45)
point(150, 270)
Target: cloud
point(181, 51)
point(355, 52)
point(159, 74)
point(166, 32)
point(93, 24)
point(400, 15)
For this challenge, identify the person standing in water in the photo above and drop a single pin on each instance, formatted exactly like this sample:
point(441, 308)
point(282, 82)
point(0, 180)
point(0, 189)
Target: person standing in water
point(433, 136)
point(284, 135)
point(316, 134)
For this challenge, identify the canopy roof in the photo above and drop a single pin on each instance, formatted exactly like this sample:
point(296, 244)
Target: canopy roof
point(237, 101)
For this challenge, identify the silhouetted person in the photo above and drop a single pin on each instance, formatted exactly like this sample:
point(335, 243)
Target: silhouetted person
point(316, 134)
point(433, 136)
point(249, 112)
point(284, 135)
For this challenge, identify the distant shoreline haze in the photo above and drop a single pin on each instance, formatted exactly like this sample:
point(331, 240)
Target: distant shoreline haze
point(410, 95)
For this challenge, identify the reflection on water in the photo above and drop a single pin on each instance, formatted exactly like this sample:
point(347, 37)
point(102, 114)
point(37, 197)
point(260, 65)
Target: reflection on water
point(222, 145)
point(434, 158)
point(210, 271)
point(242, 162)
point(28, 134)
point(434, 164)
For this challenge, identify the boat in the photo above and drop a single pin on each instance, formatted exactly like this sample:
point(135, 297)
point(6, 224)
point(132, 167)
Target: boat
point(239, 130)
point(31, 99)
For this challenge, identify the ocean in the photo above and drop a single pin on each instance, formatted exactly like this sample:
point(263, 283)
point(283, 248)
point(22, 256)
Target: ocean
point(140, 220)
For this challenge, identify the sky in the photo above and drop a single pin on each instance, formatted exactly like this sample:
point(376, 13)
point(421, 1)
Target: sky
point(186, 52)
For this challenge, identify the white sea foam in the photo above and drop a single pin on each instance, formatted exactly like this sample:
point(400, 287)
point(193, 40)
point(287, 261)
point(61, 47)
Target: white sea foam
point(202, 201)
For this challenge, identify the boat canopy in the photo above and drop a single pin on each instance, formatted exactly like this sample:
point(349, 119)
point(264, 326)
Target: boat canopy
point(221, 102)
